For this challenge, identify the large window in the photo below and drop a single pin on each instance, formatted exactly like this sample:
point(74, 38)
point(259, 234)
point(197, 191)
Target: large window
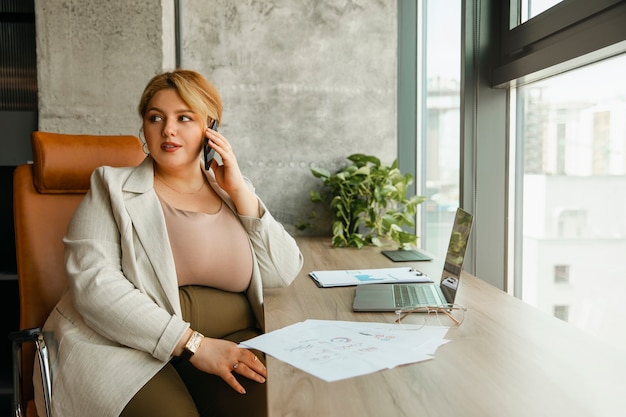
point(439, 120)
point(572, 134)
point(568, 112)
point(547, 184)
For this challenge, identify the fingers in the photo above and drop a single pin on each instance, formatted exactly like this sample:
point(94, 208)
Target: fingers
point(227, 174)
point(230, 379)
point(251, 368)
point(248, 366)
point(245, 370)
point(258, 366)
point(219, 143)
point(229, 168)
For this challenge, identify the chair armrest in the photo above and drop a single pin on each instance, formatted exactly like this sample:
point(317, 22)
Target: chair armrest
point(27, 335)
point(36, 336)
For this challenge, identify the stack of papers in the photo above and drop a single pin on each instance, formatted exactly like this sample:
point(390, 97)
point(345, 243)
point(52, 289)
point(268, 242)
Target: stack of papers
point(342, 278)
point(335, 350)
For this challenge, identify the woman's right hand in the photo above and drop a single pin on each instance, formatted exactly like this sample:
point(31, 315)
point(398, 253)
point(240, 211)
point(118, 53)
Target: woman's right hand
point(223, 357)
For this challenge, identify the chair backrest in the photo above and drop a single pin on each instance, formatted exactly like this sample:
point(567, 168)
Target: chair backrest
point(45, 195)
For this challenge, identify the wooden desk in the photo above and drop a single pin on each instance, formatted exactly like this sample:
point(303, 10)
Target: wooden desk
point(507, 359)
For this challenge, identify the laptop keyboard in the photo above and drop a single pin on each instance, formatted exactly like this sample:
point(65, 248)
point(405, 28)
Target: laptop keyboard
point(413, 295)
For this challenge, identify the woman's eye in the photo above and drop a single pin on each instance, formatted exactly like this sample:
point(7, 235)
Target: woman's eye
point(185, 118)
point(155, 118)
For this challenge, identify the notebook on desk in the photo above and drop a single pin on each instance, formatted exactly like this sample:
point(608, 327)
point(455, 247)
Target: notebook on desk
point(402, 255)
point(391, 297)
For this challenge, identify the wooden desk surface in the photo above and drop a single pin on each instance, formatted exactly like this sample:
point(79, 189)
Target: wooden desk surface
point(507, 359)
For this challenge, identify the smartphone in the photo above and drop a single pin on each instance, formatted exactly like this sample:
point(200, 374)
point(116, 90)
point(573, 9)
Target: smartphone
point(209, 152)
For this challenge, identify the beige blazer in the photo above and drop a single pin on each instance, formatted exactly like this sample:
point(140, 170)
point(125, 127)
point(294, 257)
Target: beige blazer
point(120, 319)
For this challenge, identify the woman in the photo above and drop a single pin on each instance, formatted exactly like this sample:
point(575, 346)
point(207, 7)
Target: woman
point(166, 264)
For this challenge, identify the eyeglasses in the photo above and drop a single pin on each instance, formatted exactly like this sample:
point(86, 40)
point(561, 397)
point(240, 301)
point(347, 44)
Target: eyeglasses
point(447, 316)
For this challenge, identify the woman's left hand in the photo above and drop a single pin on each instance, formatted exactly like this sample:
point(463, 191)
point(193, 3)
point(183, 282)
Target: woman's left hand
point(229, 176)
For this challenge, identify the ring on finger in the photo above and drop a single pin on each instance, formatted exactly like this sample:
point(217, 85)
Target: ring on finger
point(236, 365)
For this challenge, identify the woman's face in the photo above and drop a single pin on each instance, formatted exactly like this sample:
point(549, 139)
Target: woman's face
point(173, 132)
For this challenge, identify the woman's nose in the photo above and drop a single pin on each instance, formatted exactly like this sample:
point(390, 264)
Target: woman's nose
point(169, 129)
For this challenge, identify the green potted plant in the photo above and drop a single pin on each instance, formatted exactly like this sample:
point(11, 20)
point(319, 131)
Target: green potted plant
point(368, 202)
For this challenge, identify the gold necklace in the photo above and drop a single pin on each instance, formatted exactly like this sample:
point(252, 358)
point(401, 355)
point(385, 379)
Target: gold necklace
point(179, 192)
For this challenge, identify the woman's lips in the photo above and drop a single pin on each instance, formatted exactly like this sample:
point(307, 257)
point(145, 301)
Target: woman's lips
point(169, 147)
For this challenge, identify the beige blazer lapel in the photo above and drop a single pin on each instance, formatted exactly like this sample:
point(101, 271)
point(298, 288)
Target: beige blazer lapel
point(147, 217)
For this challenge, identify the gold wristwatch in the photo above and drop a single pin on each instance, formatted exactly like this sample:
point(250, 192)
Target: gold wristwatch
point(193, 343)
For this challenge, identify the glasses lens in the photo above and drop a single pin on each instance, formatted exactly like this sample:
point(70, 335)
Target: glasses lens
point(441, 316)
point(450, 316)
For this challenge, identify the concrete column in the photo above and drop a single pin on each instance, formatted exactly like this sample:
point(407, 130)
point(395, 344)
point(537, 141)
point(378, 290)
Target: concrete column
point(94, 59)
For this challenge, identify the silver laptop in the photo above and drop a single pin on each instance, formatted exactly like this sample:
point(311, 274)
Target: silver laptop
point(391, 297)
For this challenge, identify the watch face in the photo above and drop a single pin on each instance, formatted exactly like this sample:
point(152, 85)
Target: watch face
point(194, 342)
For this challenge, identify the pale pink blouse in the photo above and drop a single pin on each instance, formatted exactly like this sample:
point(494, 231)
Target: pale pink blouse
point(209, 249)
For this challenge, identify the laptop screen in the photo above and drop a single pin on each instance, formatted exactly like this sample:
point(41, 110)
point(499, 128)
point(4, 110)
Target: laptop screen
point(453, 264)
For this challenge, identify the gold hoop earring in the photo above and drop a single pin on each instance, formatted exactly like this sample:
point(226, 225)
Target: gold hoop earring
point(144, 143)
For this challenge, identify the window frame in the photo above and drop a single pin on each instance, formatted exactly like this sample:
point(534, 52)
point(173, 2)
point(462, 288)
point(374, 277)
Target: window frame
point(566, 36)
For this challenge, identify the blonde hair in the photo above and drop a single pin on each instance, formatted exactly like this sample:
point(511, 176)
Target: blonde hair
point(198, 93)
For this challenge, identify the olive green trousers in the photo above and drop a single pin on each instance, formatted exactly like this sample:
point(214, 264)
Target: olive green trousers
point(180, 389)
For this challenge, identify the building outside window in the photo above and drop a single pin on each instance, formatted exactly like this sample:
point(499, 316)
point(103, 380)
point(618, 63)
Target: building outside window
point(561, 274)
point(572, 128)
point(561, 312)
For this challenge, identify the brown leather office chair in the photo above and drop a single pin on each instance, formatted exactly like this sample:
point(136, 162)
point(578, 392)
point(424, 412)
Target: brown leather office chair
point(45, 195)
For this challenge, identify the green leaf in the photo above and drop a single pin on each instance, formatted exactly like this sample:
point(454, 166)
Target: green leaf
point(315, 196)
point(320, 172)
point(364, 170)
point(360, 159)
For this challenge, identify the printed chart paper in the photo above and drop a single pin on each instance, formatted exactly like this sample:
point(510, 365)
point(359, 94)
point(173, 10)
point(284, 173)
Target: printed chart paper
point(335, 350)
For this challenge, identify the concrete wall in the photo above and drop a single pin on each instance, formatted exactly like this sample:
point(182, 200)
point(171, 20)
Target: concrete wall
point(94, 59)
point(303, 83)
